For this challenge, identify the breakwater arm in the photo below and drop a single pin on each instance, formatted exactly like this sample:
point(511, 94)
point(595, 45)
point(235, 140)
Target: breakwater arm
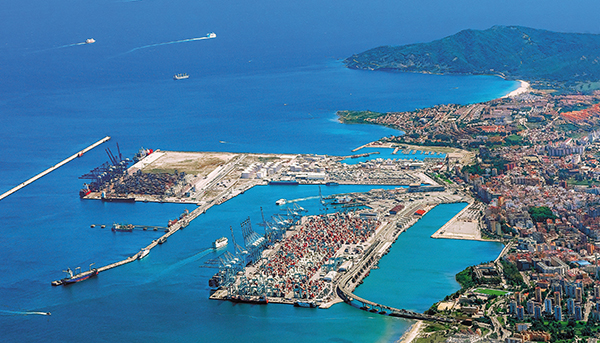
point(54, 167)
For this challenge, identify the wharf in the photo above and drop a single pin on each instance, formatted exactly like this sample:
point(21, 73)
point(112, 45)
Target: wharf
point(53, 168)
point(169, 231)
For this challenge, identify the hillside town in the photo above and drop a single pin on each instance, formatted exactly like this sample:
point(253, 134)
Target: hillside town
point(537, 174)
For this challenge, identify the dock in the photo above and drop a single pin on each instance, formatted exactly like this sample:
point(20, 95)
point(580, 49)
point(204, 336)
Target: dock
point(54, 167)
point(169, 231)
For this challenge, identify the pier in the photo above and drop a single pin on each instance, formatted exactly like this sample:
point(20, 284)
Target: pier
point(54, 167)
point(169, 231)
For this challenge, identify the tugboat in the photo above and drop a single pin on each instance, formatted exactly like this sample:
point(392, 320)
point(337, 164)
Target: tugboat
point(180, 76)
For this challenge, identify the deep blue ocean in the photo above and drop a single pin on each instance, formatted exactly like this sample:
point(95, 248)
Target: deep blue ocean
point(271, 81)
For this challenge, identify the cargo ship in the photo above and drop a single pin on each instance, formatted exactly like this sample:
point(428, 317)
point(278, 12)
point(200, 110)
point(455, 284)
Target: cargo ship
point(284, 183)
point(141, 154)
point(70, 279)
point(180, 76)
point(305, 303)
point(115, 198)
point(221, 242)
point(122, 227)
point(85, 190)
point(248, 299)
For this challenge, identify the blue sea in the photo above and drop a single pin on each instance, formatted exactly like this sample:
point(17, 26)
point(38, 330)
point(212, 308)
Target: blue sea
point(271, 81)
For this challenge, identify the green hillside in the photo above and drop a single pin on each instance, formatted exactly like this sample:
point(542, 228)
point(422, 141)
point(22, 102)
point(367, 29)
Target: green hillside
point(512, 51)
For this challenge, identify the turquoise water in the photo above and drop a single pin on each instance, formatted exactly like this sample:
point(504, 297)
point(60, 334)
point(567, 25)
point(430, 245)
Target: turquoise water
point(420, 270)
point(271, 81)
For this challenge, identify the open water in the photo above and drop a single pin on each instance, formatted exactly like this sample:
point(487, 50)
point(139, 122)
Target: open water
point(271, 81)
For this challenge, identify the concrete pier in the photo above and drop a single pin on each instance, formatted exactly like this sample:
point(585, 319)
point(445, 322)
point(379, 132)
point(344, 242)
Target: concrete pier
point(54, 167)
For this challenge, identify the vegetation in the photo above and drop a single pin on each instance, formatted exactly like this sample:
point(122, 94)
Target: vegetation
point(512, 275)
point(541, 214)
point(466, 278)
point(358, 117)
point(566, 331)
point(511, 51)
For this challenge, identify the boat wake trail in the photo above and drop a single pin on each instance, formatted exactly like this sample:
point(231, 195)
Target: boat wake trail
point(208, 36)
point(301, 199)
point(24, 313)
point(65, 46)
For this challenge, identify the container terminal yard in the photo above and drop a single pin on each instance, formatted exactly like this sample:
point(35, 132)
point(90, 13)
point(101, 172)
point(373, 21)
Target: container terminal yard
point(308, 261)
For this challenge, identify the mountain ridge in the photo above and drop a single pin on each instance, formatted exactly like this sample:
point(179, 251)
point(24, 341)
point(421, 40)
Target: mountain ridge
point(513, 52)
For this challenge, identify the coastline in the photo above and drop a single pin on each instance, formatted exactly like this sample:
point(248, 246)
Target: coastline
point(523, 88)
point(412, 333)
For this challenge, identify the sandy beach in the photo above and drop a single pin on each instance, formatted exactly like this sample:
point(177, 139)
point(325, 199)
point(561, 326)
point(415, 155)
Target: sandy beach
point(523, 88)
point(411, 334)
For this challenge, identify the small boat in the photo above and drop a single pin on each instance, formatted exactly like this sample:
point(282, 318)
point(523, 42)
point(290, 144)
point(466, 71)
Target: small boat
point(212, 35)
point(90, 41)
point(332, 184)
point(143, 253)
point(280, 202)
point(180, 76)
point(162, 240)
point(221, 242)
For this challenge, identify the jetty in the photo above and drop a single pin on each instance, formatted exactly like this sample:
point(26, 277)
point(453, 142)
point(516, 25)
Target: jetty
point(169, 231)
point(54, 167)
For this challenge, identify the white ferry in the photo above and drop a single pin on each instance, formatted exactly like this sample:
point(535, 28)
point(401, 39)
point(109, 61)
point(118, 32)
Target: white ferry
point(143, 253)
point(180, 76)
point(221, 242)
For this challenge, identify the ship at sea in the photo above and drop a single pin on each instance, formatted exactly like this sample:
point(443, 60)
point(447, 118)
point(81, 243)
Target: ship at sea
point(90, 41)
point(180, 76)
point(221, 242)
point(71, 278)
